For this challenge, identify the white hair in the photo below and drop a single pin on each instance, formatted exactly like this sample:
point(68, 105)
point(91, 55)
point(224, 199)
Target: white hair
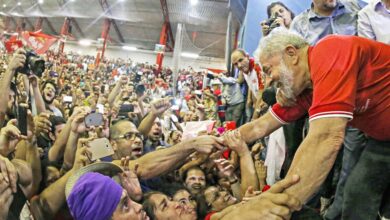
point(275, 42)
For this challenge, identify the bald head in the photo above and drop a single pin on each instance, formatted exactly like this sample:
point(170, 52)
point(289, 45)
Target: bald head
point(119, 127)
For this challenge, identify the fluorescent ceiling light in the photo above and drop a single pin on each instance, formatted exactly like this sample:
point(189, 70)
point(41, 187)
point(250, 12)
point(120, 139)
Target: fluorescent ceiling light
point(19, 3)
point(129, 48)
point(85, 42)
point(40, 1)
point(194, 2)
point(4, 5)
point(190, 55)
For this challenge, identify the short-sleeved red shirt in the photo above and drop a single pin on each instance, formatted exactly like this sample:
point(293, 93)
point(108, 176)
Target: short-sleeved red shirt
point(351, 78)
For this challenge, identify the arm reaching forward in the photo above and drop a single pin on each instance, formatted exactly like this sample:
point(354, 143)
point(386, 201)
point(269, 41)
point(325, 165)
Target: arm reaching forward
point(316, 155)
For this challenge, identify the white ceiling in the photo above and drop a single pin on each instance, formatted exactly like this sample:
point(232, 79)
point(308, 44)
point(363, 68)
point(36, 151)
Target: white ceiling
point(139, 21)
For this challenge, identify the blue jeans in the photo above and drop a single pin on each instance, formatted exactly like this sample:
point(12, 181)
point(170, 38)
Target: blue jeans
point(354, 143)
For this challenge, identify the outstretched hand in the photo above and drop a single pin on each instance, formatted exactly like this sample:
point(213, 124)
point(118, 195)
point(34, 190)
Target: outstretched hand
point(130, 181)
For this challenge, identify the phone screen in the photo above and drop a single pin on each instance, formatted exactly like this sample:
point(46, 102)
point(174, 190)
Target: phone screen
point(68, 98)
point(94, 119)
point(22, 120)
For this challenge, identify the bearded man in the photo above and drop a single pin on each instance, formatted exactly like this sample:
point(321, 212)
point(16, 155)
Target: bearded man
point(49, 94)
point(341, 80)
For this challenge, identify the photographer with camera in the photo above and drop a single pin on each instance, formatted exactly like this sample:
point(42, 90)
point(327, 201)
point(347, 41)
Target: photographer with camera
point(279, 15)
point(6, 101)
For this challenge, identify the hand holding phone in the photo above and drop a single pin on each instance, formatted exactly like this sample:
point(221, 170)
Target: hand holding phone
point(22, 120)
point(100, 148)
point(94, 119)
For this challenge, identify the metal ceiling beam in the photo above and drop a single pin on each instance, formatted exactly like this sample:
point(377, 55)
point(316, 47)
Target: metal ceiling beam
point(29, 23)
point(38, 24)
point(165, 12)
point(106, 8)
point(73, 21)
point(77, 26)
point(7, 22)
point(50, 25)
point(14, 21)
point(105, 32)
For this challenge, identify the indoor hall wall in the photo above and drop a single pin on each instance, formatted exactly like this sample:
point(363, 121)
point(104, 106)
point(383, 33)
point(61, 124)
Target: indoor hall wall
point(148, 56)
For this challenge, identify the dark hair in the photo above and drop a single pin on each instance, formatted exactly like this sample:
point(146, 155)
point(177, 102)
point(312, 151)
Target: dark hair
point(192, 168)
point(148, 206)
point(49, 82)
point(56, 120)
point(172, 189)
point(269, 7)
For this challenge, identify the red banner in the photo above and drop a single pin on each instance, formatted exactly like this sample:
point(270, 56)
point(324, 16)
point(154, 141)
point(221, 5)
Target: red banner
point(39, 42)
point(12, 44)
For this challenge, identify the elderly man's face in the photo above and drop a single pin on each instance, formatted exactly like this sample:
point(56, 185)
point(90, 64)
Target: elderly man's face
point(240, 61)
point(128, 209)
point(280, 73)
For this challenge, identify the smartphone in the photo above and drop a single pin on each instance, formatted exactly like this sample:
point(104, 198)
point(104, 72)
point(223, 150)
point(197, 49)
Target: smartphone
point(68, 98)
point(94, 119)
point(100, 148)
point(22, 120)
point(126, 108)
point(100, 108)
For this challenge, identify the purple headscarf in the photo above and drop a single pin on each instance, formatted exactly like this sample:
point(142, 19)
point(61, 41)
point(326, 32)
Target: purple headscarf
point(94, 196)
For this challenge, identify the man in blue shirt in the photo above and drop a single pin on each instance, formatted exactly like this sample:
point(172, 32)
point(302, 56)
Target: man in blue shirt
point(327, 17)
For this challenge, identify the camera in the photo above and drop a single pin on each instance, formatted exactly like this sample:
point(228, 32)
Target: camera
point(34, 63)
point(271, 23)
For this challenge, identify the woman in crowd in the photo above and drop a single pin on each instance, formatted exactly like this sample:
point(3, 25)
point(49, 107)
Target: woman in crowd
point(278, 15)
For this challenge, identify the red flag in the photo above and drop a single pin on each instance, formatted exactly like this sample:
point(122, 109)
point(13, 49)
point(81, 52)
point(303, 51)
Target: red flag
point(38, 41)
point(12, 45)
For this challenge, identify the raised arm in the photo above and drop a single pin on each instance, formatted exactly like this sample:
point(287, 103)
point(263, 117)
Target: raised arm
point(49, 202)
point(158, 107)
point(316, 155)
point(162, 161)
point(58, 148)
point(40, 104)
point(116, 90)
point(17, 61)
point(247, 167)
point(259, 128)
point(77, 127)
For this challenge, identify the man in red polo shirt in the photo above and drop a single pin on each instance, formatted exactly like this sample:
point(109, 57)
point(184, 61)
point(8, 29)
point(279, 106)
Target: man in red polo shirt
point(340, 80)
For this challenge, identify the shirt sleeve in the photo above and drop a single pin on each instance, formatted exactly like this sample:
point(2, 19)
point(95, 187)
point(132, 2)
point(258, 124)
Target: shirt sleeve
point(228, 80)
point(364, 25)
point(287, 115)
point(334, 78)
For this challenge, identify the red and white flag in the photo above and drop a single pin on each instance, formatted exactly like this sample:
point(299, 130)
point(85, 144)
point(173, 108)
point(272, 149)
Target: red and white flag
point(38, 41)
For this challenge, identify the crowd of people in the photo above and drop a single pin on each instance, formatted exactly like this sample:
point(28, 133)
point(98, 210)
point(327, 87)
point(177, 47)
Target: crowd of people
point(296, 132)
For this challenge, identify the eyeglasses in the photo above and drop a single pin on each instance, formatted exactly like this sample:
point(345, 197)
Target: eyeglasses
point(130, 136)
